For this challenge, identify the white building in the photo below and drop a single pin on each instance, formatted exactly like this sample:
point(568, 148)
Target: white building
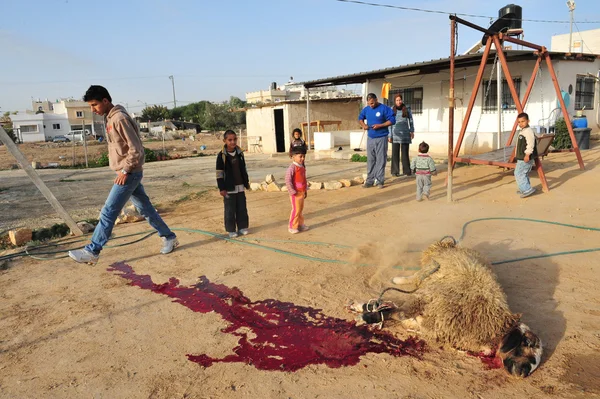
point(50, 119)
point(584, 42)
point(425, 87)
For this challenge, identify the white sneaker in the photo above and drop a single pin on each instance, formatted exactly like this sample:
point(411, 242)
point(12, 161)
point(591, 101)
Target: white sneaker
point(169, 244)
point(83, 256)
point(294, 231)
point(233, 235)
point(243, 232)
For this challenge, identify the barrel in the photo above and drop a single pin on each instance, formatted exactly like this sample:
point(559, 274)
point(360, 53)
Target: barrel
point(582, 135)
point(580, 122)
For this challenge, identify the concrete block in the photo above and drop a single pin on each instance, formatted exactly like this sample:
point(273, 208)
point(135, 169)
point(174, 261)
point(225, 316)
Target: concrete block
point(20, 236)
point(332, 185)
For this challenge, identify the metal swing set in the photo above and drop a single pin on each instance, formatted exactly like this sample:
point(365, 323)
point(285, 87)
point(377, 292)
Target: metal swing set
point(504, 157)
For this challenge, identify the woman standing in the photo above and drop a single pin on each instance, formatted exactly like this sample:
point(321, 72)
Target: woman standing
point(401, 135)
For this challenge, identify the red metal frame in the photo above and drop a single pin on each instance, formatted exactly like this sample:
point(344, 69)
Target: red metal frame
point(542, 53)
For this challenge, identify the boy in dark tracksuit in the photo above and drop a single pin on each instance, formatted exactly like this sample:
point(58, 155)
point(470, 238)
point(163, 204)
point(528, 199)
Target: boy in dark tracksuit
point(232, 179)
point(525, 155)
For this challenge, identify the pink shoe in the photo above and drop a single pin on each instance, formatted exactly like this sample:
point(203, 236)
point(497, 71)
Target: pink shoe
point(303, 227)
point(294, 231)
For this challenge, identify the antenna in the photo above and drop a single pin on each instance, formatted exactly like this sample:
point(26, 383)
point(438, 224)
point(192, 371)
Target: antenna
point(571, 5)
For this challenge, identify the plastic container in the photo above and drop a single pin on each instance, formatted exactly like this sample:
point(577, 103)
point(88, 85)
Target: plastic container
point(582, 135)
point(580, 122)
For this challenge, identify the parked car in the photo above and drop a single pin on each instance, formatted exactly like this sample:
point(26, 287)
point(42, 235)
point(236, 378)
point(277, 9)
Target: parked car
point(76, 135)
point(60, 139)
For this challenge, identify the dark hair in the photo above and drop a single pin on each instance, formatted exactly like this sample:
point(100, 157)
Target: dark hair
point(371, 96)
point(97, 93)
point(297, 130)
point(227, 133)
point(423, 148)
point(299, 150)
point(523, 115)
point(402, 107)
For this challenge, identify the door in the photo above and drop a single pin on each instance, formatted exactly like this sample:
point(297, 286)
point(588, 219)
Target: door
point(279, 130)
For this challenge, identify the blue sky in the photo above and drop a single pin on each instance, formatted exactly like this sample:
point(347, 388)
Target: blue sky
point(57, 48)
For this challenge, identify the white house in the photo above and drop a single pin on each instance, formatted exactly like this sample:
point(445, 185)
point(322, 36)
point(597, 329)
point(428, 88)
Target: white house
point(30, 127)
point(586, 41)
point(425, 88)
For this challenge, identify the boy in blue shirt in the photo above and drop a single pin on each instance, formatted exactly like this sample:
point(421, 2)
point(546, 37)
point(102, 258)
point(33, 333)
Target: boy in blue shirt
point(378, 117)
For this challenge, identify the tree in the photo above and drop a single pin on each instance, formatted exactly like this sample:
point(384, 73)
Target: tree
point(7, 125)
point(155, 113)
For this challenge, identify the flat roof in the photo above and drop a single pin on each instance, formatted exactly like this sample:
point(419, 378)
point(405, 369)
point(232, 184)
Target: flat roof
point(434, 66)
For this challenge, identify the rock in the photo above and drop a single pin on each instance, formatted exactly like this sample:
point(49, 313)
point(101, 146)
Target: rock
point(270, 179)
point(283, 188)
point(194, 151)
point(263, 186)
point(20, 236)
point(129, 215)
point(315, 185)
point(332, 185)
point(272, 187)
point(357, 181)
point(255, 186)
point(345, 183)
point(85, 227)
point(364, 176)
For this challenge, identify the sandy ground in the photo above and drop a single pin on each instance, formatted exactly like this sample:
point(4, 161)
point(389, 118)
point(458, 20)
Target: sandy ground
point(71, 331)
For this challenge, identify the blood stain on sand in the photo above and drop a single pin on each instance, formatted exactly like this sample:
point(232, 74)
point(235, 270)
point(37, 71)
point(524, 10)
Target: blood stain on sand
point(285, 337)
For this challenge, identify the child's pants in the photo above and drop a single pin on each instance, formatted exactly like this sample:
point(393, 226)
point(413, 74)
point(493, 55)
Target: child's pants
point(235, 212)
point(296, 218)
point(423, 186)
point(522, 175)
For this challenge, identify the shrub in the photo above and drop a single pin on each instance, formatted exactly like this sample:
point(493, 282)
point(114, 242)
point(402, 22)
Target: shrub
point(358, 158)
point(562, 140)
point(103, 159)
point(149, 155)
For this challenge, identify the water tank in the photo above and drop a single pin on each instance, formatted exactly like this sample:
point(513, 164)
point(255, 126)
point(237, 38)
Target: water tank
point(580, 122)
point(273, 85)
point(514, 12)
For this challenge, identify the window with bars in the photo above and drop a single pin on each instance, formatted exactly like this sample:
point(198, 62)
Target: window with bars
point(584, 92)
point(411, 96)
point(490, 103)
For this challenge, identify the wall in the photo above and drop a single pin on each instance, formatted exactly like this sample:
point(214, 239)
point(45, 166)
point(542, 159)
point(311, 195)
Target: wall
point(482, 131)
point(567, 72)
point(590, 38)
point(260, 122)
point(44, 123)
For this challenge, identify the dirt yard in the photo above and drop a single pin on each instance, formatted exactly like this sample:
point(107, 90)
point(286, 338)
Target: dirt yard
point(71, 331)
point(67, 154)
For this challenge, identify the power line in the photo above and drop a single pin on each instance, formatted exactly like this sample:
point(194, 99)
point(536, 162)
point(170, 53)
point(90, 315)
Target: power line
point(454, 13)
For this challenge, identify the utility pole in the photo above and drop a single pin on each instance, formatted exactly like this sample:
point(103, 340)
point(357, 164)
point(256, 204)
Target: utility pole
point(83, 136)
point(173, 83)
point(571, 5)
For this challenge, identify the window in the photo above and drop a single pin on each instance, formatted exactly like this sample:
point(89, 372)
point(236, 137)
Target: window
point(80, 114)
point(584, 92)
point(56, 126)
point(28, 128)
point(412, 97)
point(490, 103)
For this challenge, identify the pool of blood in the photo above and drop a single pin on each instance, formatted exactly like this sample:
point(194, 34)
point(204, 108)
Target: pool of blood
point(491, 361)
point(275, 335)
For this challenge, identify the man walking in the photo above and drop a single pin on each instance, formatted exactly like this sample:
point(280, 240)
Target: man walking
point(126, 158)
point(378, 117)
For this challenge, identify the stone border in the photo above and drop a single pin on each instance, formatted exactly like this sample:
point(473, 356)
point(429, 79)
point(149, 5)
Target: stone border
point(271, 185)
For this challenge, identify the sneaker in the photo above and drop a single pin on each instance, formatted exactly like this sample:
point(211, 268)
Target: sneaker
point(243, 232)
point(83, 256)
point(528, 193)
point(233, 234)
point(367, 185)
point(294, 231)
point(380, 186)
point(169, 244)
point(419, 199)
point(303, 227)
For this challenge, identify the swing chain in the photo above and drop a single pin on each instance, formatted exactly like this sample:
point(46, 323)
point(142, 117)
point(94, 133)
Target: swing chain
point(485, 96)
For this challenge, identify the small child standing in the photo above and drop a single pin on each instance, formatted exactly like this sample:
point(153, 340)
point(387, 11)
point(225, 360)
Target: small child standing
point(297, 141)
point(295, 180)
point(525, 155)
point(423, 166)
point(232, 179)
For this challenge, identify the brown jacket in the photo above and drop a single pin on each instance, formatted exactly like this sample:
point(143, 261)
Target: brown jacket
point(125, 150)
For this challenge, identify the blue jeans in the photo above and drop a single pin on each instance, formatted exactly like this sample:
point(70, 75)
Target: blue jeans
point(117, 198)
point(522, 175)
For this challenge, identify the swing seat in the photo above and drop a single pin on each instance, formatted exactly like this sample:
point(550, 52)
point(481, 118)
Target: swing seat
point(543, 143)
